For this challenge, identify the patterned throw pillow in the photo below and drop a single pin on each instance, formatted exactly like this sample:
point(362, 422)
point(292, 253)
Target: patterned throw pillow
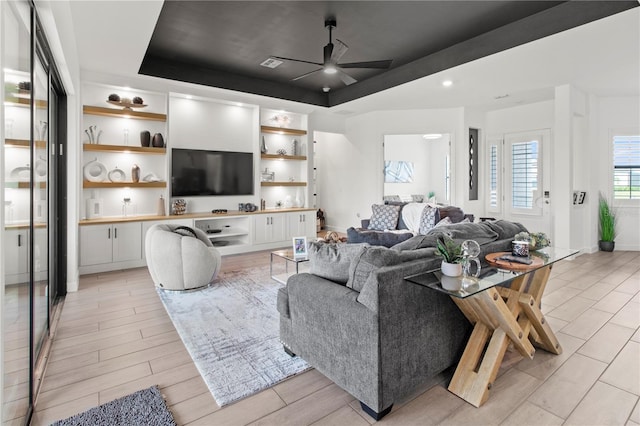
point(428, 219)
point(444, 222)
point(384, 217)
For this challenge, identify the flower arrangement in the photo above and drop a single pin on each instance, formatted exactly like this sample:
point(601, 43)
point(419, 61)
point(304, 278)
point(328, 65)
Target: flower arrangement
point(448, 249)
point(537, 240)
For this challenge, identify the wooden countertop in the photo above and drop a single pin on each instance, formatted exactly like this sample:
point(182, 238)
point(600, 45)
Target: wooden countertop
point(202, 215)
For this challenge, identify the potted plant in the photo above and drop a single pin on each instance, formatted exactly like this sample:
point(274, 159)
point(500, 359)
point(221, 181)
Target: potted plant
point(451, 253)
point(606, 225)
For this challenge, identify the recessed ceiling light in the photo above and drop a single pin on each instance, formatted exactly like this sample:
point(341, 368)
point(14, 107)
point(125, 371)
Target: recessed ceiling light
point(189, 97)
point(429, 136)
point(447, 83)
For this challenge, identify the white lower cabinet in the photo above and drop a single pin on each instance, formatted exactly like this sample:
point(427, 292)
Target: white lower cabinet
point(301, 224)
point(269, 228)
point(16, 266)
point(110, 244)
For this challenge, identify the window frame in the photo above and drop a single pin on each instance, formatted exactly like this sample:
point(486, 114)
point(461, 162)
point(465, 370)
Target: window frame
point(614, 132)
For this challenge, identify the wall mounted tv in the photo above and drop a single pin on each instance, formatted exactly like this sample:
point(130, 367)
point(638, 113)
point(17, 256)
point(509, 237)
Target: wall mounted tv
point(196, 172)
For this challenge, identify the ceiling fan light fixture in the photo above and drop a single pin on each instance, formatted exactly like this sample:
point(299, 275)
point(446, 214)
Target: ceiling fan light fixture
point(330, 69)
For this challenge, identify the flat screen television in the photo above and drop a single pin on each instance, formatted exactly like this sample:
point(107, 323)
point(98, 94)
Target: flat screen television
point(196, 172)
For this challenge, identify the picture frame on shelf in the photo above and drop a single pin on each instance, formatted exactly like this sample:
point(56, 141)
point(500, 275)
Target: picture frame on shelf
point(300, 248)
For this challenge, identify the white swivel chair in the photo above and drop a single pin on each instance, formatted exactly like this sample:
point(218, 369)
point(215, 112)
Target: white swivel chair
point(180, 258)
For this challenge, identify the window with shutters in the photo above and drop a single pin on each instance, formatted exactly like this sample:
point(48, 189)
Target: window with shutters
point(493, 176)
point(524, 173)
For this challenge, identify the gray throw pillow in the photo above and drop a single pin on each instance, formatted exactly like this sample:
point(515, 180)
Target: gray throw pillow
point(331, 261)
point(384, 217)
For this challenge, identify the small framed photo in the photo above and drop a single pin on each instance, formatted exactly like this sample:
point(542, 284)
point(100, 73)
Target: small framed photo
point(299, 247)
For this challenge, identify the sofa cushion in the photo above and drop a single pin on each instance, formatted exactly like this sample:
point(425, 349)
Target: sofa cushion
point(505, 229)
point(372, 258)
point(384, 217)
point(459, 232)
point(331, 261)
point(376, 238)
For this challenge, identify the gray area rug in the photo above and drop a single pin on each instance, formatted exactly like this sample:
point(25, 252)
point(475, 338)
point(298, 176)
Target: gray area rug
point(231, 330)
point(144, 407)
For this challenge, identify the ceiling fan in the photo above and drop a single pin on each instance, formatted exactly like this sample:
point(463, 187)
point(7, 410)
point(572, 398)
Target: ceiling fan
point(332, 54)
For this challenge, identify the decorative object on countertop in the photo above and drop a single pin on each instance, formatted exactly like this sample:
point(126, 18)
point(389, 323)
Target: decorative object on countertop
point(520, 248)
point(470, 253)
point(145, 138)
point(263, 146)
point(267, 176)
point(451, 253)
point(126, 206)
point(179, 206)
point(135, 173)
point(157, 141)
point(94, 206)
point(606, 225)
point(282, 151)
point(536, 240)
point(278, 204)
point(116, 175)
point(94, 171)
point(114, 97)
point(294, 147)
point(299, 202)
point(138, 100)
point(263, 204)
point(288, 202)
point(161, 210)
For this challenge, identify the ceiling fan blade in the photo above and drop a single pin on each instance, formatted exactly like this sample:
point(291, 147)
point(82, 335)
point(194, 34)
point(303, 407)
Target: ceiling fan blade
point(339, 49)
point(296, 60)
point(370, 64)
point(346, 78)
point(306, 74)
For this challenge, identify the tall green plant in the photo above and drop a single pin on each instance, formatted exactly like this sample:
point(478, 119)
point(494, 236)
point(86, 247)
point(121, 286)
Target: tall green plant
point(607, 220)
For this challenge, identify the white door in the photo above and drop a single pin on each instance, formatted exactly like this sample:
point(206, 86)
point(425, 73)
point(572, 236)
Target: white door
point(127, 241)
point(95, 244)
point(525, 180)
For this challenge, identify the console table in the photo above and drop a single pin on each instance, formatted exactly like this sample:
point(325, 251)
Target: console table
point(504, 307)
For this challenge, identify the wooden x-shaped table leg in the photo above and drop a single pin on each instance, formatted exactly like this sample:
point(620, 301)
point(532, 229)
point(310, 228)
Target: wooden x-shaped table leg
point(501, 316)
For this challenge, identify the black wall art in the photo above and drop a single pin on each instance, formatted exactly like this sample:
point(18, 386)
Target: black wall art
point(473, 164)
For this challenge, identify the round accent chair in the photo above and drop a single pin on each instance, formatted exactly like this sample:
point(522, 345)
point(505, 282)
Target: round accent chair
point(180, 258)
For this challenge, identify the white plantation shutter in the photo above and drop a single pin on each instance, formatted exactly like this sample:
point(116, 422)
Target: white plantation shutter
point(493, 176)
point(524, 173)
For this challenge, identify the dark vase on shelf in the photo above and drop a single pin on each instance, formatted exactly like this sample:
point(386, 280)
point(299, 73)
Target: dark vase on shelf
point(157, 141)
point(145, 138)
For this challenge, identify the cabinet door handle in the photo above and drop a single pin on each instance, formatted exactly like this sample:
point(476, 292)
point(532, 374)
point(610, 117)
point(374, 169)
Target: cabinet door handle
point(109, 233)
point(115, 233)
point(19, 240)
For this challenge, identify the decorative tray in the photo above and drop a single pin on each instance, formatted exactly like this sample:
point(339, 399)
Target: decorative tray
point(492, 258)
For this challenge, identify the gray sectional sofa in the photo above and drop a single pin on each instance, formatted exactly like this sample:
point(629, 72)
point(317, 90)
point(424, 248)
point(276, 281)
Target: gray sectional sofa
point(355, 319)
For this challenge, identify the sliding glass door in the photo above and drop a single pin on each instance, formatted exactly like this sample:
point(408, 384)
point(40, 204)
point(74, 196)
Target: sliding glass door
point(33, 274)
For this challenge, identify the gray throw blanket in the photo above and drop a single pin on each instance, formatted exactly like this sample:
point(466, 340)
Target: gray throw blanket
point(480, 232)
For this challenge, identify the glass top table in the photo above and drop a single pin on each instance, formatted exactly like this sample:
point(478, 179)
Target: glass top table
point(462, 287)
point(504, 306)
point(288, 257)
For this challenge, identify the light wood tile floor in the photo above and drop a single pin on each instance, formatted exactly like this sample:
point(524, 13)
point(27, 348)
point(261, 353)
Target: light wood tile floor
point(114, 337)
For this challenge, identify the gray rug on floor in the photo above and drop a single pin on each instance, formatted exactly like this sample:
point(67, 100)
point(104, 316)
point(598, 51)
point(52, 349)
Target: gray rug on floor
point(231, 330)
point(144, 407)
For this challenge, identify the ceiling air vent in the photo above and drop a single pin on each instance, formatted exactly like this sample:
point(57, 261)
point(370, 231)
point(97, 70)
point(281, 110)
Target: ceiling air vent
point(271, 63)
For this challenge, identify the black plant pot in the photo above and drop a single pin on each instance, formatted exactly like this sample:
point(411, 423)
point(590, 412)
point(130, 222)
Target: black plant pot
point(607, 245)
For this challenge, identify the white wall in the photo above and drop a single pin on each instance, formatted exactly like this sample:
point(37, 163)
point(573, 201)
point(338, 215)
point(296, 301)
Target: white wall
point(350, 165)
point(211, 125)
point(614, 114)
